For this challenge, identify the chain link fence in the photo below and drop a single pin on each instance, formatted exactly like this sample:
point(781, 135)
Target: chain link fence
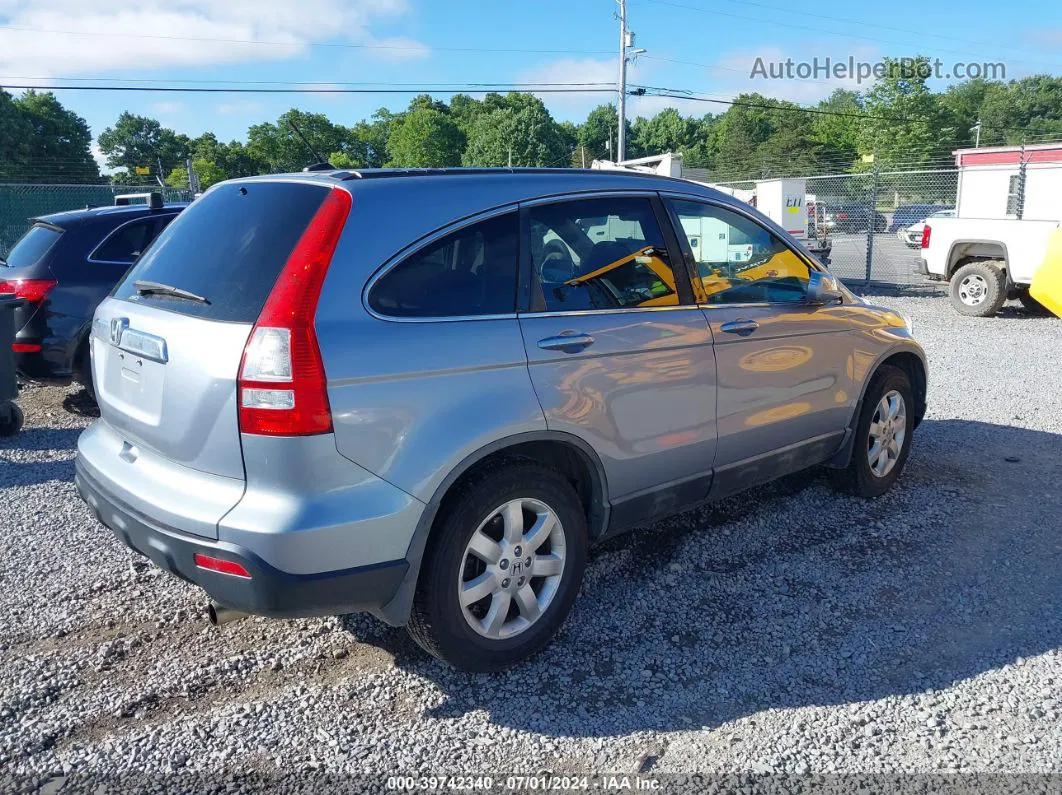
point(868, 219)
point(21, 202)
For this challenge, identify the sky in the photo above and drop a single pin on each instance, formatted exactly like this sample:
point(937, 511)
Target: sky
point(704, 46)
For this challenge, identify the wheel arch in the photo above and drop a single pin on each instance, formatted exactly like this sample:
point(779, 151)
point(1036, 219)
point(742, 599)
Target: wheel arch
point(571, 456)
point(973, 250)
point(907, 358)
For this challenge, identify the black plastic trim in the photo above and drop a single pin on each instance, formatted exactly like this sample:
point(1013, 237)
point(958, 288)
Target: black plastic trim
point(269, 591)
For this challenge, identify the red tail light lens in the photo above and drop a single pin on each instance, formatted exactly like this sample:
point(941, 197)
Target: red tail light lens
point(29, 289)
point(926, 230)
point(842, 216)
point(221, 566)
point(282, 385)
point(25, 347)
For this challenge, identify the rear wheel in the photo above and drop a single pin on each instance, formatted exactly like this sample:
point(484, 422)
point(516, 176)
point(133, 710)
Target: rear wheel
point(502, 569)
point(11, 419)
point(84, 369)
point(883, 434)
point(979, 289)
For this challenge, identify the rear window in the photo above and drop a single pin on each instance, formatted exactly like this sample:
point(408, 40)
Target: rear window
point(229, 247)
point(37, 242)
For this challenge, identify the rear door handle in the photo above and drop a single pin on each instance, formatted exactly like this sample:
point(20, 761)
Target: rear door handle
point(569, 343)
point(739, 326)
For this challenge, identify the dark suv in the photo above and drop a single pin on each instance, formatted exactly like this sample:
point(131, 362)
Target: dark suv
point(62, 268)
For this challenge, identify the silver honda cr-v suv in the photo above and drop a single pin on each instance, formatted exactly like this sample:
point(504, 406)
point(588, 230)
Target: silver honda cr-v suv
point(423, 394)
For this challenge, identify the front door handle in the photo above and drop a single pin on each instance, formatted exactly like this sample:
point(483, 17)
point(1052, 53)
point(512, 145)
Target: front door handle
point(740, 326)
point(569, 343)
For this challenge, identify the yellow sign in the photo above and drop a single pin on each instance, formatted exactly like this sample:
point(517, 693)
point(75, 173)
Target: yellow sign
point(868, 158)
point(142, 171)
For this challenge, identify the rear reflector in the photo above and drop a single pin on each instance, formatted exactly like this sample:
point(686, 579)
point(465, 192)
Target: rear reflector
point(283, 389)
point(25, 347)
point(28, 289)
point(926, 231)
point(221, 566)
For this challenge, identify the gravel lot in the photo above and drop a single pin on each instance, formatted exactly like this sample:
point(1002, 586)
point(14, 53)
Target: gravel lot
point(788, 629)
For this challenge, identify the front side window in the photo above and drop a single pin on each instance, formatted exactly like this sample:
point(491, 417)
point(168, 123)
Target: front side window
point(468, 273)
point(598, 254)
point(128, 242)
point(737, 260)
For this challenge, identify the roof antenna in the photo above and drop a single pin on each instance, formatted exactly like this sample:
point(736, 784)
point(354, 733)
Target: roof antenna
point(321, 164)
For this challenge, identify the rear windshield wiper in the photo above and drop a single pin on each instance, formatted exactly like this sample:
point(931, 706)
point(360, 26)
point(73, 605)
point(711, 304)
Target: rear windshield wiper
point(155, 288)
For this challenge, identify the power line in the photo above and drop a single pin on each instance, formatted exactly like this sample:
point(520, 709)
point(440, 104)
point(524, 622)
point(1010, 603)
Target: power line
point(308, 83)
point(672, 94)
point(862, 23)
point(309, 90)
point(299, 45)
point(820, 31)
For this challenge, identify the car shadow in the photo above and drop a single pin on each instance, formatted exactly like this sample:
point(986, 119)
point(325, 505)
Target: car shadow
point(794, 595)
point(18, 472)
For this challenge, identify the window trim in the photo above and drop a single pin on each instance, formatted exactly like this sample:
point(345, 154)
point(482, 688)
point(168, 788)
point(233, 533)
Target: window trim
point(154, 217)
point(668, 198)
point(423, 242)
point(683, 286)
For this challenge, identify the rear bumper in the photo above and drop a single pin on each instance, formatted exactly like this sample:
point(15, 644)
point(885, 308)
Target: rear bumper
point(269, 591)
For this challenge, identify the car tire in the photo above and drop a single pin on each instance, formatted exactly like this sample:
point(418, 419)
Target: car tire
point(1031, 305)
point(979, 288)
point(84, 369)
point(12, 420)
point(477, 635)
point(868, 474)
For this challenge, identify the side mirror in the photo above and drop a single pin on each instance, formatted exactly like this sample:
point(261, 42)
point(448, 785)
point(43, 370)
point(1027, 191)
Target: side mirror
point(823, 289)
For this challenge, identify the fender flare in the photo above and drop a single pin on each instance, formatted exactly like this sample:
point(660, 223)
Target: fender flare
point(396, 611)
point(844, 455)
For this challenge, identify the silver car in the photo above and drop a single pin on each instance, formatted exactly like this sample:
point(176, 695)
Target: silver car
point(425, 394)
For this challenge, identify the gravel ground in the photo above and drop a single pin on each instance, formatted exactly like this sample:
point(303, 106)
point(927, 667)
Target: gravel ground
point(788, 630)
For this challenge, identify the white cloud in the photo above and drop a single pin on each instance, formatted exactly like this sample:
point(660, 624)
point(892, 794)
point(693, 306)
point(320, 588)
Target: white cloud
point(100, 158)
point(93, 37)
point(574, 70)
point(238, 108)
point(734, 73)
point(166, 108)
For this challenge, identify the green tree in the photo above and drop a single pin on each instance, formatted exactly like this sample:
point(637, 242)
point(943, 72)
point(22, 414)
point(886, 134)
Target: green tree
point(911, 125)
point(138, 141)
point(667, 131)
point(518, 125)
point(600, 127)
point(426, 138)
point(1029, 108)
point(465, 110)
point(368, 145)
point(278, 148)
point(59, 139)
point(15, 133)
point(838, 135)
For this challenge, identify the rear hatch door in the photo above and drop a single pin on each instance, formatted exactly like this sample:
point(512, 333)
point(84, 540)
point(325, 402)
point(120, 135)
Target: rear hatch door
point(166, 361)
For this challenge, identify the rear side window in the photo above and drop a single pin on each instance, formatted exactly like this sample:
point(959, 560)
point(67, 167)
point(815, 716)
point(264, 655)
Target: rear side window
point(37, 242)
point(468, 273)
point(229, 246)
point(129, 241)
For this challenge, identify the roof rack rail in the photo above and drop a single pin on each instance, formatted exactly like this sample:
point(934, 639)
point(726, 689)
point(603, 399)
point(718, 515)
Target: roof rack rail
point(153, 199)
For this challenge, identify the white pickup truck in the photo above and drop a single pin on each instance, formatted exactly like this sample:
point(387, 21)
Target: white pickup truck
point(986, 260)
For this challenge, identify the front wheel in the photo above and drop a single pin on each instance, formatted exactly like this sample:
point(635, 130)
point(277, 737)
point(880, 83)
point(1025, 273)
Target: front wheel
point(883, 434)
point(503, 566)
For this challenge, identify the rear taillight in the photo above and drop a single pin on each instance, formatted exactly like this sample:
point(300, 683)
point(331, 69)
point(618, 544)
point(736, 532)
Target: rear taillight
point(926, 230)
point(842, 216)
point(26, 347)
point(28, 289)
point(282, 385)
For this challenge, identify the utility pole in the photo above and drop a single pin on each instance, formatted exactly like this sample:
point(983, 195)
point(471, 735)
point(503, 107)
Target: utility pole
point(627, 52)
point(510, 157)
point(621, 99)
point(977, 129)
